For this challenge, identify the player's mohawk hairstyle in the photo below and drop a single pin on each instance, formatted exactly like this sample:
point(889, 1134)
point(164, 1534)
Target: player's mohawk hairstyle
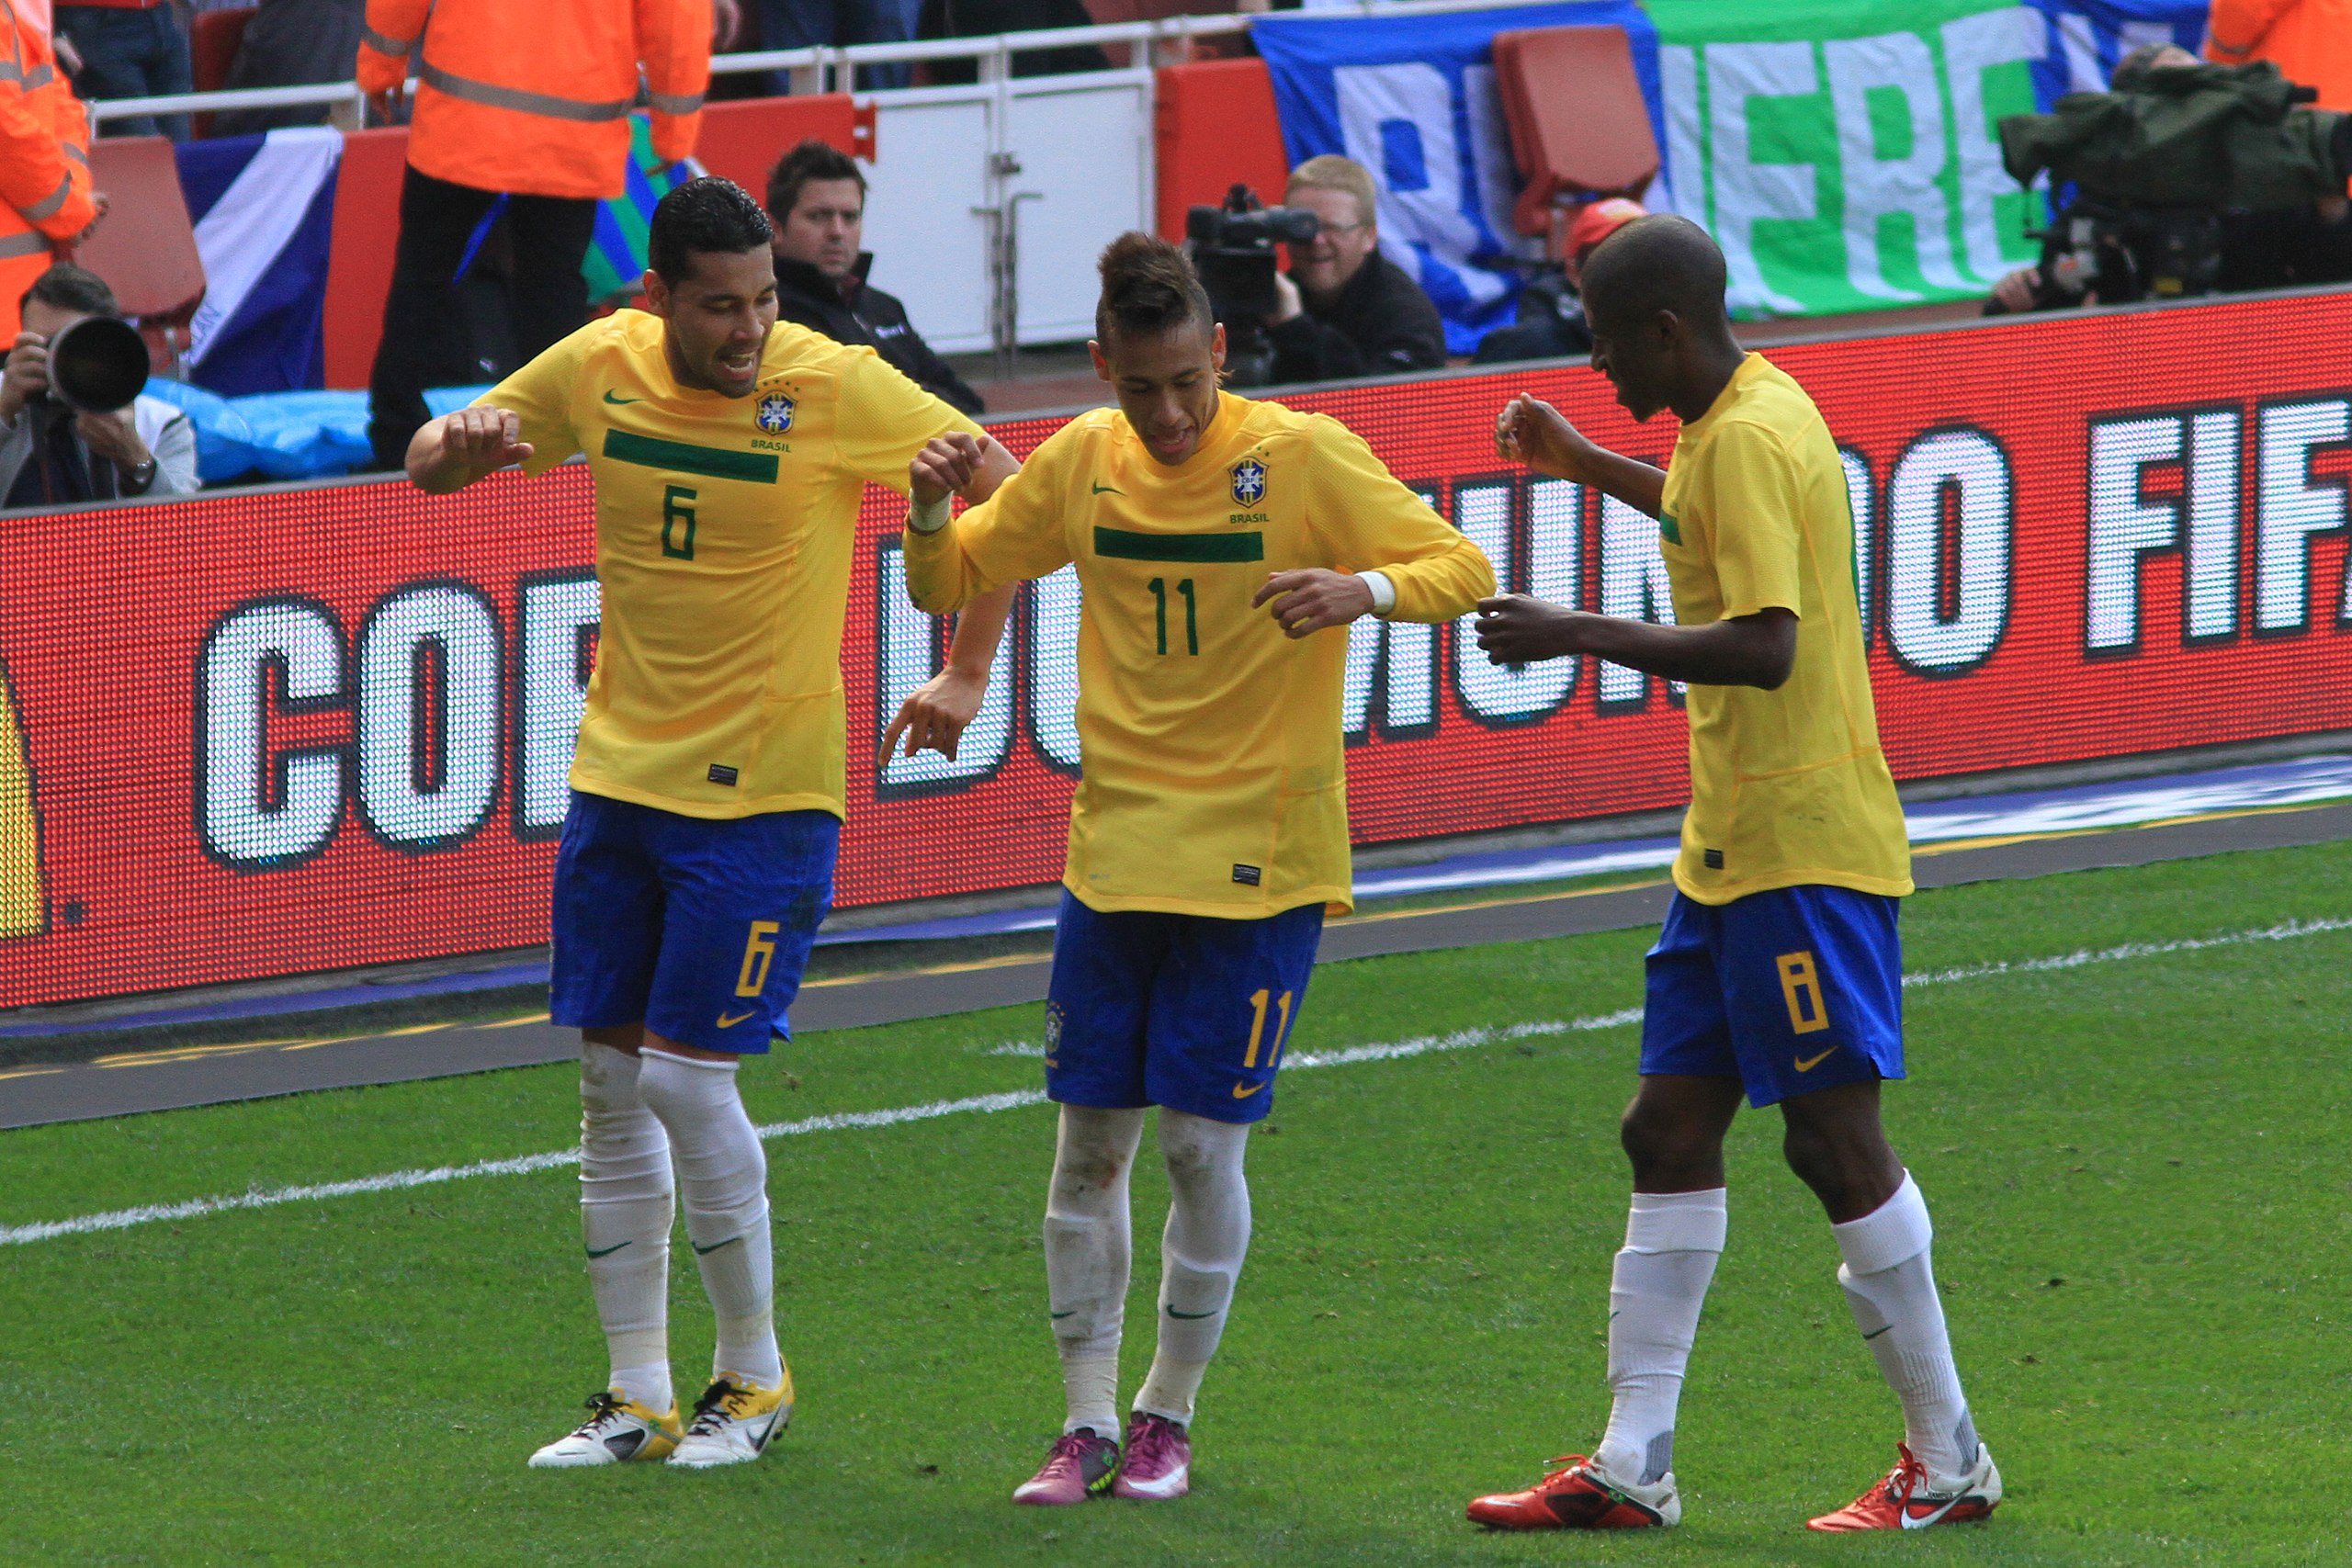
point(1149, 287)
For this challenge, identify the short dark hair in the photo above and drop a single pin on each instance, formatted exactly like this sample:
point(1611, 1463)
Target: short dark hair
point(1148, 285)
point(1663, 262)
point(70, 287)
point(709, 214)
point(813, 159)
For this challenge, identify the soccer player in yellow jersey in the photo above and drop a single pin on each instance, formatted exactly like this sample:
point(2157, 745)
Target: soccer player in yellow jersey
point(730, 454)
point(1209, 835)
point(1779, 970)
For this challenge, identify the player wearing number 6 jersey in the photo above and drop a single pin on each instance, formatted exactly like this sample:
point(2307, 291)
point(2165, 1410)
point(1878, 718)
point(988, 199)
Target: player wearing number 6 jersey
point(1209, 835)
point(1779, 970)
point(729, 454)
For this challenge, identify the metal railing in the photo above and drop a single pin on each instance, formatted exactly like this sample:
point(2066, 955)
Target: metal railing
point(1164, 41)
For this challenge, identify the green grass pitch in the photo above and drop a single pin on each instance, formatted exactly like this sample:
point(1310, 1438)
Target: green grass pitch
point(2136, 1165)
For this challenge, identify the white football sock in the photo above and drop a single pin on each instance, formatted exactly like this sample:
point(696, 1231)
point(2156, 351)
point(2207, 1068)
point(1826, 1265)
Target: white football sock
point(625, 1211)
point(723, 1175)
point(1672, 1240)
point(1088, 1251)
point(1200, 1254)
point(1891, 1288)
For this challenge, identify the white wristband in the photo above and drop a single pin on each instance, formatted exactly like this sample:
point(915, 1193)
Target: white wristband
point(930, 517)
point(1383, 593)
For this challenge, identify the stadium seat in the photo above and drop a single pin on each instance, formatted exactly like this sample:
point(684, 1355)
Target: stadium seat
point(213, 42)
point(145, 247)
point(742, 138)
point(1579, 129)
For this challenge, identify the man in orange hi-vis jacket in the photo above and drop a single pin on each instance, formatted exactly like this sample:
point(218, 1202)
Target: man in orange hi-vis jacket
point(527, 107)
point(45, 201)
point(2309, 41)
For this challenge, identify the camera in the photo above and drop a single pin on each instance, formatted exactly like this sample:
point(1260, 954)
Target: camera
point(1233, 251)
point(96, 366)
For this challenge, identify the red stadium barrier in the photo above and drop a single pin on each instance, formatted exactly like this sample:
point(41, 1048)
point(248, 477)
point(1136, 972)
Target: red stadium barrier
point(1214, 124)
point(327, 727)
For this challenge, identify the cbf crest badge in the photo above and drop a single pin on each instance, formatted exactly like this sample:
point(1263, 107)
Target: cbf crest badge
point(1249, 481)
point(776, 414)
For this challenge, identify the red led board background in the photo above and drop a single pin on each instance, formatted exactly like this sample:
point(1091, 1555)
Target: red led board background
point(266, 733)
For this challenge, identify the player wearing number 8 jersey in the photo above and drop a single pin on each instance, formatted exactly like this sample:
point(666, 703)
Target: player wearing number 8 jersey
point(1209, 834)
point(1779, 970)
point(729, 454)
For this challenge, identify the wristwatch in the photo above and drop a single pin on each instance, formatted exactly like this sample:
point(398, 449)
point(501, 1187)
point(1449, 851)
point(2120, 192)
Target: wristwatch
point(142, 476)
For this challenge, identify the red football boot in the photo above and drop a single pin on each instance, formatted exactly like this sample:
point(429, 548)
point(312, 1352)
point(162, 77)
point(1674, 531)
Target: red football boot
point(1581, 1497)
point(1909, 1499)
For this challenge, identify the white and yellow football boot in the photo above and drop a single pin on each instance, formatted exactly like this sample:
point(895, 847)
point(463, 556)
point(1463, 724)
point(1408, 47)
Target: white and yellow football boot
point(618, 1430)
point(733, 1421)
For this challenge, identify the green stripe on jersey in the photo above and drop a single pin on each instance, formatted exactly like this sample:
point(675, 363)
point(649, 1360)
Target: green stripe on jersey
point(680, 457)
point(1121, 544)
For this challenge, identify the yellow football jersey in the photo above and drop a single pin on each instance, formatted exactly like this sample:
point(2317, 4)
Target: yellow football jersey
point(1787, 786)
point(1213, 775)
point(724, 528)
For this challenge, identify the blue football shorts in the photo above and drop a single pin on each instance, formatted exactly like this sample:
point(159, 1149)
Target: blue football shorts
point(1794, 990)
point(1188, 1011)
point(700, 927)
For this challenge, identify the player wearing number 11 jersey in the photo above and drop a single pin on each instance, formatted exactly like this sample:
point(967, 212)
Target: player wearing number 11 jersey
point(1209, 835)
point(730, 454)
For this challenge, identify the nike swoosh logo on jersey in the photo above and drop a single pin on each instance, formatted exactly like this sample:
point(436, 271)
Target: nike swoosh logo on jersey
point(606, 1251)
point(1108, 489)
point(1190, 1316)
point(700, 1249)
point(727, 1023)
point(1806, 1064)
point(611, 396)
point(1241, 1093)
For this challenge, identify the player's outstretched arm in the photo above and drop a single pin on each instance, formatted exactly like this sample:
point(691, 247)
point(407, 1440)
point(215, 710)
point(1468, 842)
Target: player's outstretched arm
point(452, 452)
point(1748, 651)
point(933, 716)
point(1531, 431)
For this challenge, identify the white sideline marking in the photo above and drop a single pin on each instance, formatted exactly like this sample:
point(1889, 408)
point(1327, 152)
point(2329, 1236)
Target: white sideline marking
point(1349, 1055)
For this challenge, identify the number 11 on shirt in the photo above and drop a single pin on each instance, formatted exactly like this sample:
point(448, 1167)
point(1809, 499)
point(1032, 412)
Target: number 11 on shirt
point(1191, 613)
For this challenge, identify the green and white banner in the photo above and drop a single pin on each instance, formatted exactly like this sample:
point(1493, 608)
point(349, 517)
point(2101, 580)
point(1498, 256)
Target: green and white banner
point(1843, 153)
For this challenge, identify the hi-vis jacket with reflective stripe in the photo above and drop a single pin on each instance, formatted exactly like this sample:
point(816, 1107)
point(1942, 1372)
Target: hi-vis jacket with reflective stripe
point(534, 98)
point(44, 161)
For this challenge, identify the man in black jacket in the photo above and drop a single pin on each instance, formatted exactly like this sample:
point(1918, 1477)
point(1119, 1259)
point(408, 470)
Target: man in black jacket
point(1344, 309)
point(816, 198)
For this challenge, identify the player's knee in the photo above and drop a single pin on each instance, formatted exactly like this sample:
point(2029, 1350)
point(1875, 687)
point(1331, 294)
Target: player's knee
point(1844, 1171)
point(1667, 1152)
point(1201, 1155)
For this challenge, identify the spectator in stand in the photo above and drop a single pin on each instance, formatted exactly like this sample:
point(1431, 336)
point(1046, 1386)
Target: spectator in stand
point(1344, 309)
point(45, 197)
point(292, 43)
point(1551, 322)
point(523, 111)
point(808, 24)
point(130, 48)
point(817, 199)
point(51, 455)
point(983, 19)
point(2309, 41)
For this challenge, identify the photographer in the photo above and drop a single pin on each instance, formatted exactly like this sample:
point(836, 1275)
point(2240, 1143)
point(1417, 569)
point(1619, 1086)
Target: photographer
point(2191, 178)
point(52, 455)
point(1345, 310)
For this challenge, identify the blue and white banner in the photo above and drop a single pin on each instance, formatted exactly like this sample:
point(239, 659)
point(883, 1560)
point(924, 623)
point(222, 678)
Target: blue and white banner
point(1412, 98)
point(2087, 36)
point(263, 208)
